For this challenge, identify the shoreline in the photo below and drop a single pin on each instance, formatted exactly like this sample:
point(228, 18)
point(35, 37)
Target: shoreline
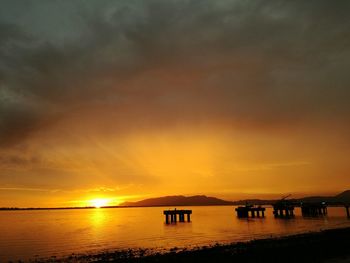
point(119, 207)
point(323, 246)
point(102, 207)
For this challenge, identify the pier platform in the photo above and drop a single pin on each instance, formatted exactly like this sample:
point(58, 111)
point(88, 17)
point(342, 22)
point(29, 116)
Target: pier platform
point(283, 210)
point(171, 215)
point(314, 209)
point(243, 211)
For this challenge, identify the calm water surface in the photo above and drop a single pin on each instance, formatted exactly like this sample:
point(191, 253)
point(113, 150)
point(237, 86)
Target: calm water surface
point(45, 233)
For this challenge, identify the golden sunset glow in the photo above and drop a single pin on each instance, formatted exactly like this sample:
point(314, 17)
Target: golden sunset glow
point(99, 202)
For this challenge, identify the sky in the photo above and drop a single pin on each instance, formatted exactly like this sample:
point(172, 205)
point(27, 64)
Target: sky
point(125, 100)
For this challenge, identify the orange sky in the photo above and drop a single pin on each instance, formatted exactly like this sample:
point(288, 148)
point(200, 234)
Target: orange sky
point(129, 100)
point(224, 163)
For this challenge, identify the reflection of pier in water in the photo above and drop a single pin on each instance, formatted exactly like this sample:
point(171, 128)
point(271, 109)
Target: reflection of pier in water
point(172, 214)
point(243, 211)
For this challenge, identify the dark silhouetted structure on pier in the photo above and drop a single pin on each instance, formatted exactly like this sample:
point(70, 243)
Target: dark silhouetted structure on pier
point(172, 215)
point(243, 211)
point(283, 208)
point(314, 209)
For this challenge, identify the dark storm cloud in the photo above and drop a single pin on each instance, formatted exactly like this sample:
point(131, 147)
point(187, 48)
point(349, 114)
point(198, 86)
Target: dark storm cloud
point(160, 62)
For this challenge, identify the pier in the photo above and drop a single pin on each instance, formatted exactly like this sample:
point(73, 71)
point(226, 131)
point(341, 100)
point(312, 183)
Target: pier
point(243, 211)
point(283, 208)
point(347, 207)
point(314, 209)
point(172, 215)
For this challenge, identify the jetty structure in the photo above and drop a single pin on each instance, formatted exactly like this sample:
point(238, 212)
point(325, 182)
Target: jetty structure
point(283, 208)
point(314, 209)
point(172, 215)
point(243, 211)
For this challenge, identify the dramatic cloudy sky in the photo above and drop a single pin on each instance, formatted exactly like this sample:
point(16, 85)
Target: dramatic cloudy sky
point(133, 99)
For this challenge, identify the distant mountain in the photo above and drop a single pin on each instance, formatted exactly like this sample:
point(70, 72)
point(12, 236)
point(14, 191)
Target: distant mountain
point(179, 200)
point(318, 199)
point(344, 196)
point(201, 200)
point(253, 201)
point(341, 198)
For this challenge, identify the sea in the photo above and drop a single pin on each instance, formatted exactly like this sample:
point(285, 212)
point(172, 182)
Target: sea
point(36, 234)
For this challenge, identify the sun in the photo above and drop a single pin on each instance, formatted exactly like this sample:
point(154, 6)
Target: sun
point(99, 202)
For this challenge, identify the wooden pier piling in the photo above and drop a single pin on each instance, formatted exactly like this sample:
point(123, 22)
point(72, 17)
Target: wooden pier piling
point(172, 214)
point(314, 209)
point(283, 210)
point(243, 211)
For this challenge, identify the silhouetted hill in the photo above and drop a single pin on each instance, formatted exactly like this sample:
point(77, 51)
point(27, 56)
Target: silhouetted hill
point(253, 201)
point(344, 196)
point(198, 200)
point(201, 200)
point(339, 199)
point(318, 199)
point(179, 200)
